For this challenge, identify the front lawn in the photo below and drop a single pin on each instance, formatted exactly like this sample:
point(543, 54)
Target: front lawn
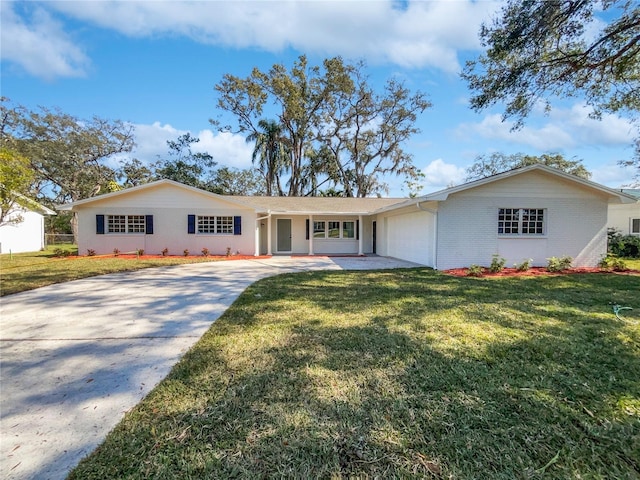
point(26, 271)
point(398, 374)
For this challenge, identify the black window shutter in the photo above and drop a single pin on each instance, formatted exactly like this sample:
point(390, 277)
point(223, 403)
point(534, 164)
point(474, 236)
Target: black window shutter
point(100, 224)
point(191, 224)
point(357, 229)
point(148, 224)
point(307, 229)
point(237, 225)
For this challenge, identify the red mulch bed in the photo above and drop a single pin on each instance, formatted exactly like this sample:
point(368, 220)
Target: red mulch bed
point(128, 256)
point(535, 271)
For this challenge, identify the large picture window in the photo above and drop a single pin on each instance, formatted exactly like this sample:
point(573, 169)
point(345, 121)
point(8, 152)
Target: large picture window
point(334, 229)
point(521, 221)
point(126, 223)
point(215, 224)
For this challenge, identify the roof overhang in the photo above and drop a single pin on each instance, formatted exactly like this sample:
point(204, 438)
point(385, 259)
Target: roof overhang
point(86, 201)
point(615, 196)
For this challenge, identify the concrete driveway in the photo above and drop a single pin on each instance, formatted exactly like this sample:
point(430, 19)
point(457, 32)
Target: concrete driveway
point(76, 356)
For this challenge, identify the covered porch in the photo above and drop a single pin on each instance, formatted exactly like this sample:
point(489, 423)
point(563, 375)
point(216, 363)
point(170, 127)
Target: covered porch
point(286, 233)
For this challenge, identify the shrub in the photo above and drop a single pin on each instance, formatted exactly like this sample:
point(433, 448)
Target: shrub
point(165, 252)
point(228, 251)
point(623, 245)
point(116, 252)
point(611, 262)
point(186, 252)
point(524, 266)
point(475, 271)
point(556, 264)
point(497, 264)
point(140, 251)
point(59, 252)
point(205, 252)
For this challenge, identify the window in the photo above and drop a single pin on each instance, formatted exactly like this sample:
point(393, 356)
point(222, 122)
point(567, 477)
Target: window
point(348, 230)
point(334, 229)
point(135, 224)
point(218, 225)
point(521, 221)
point(318, 230)
point(635, 226)
point(126, 223)
point(224, 224)
point(116, 223)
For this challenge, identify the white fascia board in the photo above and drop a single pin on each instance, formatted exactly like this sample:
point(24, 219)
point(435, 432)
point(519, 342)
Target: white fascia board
point(306, 213)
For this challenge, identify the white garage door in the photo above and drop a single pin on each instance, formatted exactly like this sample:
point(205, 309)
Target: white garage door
point(411, 237)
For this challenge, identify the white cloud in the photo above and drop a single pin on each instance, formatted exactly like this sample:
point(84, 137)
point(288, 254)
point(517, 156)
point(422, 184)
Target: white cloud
point(227, 149)
point(565, 128)
point(40, 46)
point(439, 175)
point(421, 35)
point(612, 175)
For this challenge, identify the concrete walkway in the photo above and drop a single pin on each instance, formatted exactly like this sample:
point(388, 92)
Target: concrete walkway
point(75, 357)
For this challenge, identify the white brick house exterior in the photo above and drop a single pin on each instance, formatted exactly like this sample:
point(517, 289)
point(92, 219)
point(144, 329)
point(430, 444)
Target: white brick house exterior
point(535, 212)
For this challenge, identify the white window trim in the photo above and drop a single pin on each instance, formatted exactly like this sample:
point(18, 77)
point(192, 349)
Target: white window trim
point(215, 225)
point(631, 220)
point(341, 235)
point(126, 224)
point(520, 221)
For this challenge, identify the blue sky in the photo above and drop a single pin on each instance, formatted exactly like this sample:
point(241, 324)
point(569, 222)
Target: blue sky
point(155, 63)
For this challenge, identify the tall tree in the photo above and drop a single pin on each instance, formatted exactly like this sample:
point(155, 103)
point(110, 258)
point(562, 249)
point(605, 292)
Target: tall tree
point(233, 181)
point(537, 49)
point(271, 152)
point(488, 165)
point(16, 177)
point(336, 127)
point(184, 165)
point(69, 156)
point(132, 172)
point(364, 132)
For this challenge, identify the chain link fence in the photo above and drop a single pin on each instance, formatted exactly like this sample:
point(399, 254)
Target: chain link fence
point(58, 238)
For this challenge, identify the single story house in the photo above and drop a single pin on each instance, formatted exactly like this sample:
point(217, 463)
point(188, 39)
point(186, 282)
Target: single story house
point(626, 217)
point(23, 230)
point(533, 212)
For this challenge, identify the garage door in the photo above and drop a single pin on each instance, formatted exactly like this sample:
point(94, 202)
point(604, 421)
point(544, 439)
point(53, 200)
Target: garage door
point(411, 237)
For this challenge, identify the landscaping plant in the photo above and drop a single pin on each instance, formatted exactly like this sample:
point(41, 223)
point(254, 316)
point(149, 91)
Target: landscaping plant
point(556, 264)
point(497, 264)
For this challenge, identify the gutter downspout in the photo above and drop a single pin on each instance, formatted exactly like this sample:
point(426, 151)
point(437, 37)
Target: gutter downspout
point(435, 232)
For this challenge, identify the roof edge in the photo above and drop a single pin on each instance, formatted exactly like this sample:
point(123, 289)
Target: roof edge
point(164, 181)
point(442, 195)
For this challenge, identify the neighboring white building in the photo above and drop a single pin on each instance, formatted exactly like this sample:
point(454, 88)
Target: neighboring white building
point(26, 235)
point(626, 218)
point(534, 212)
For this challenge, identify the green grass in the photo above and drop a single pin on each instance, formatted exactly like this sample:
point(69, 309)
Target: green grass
point(26, 271)
point(398, 374)
point(633, 263)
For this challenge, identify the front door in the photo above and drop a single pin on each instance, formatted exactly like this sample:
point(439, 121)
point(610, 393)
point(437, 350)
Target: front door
point(283, 225)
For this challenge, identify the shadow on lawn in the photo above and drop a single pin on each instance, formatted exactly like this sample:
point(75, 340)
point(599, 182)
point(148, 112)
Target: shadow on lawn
point(430, 376)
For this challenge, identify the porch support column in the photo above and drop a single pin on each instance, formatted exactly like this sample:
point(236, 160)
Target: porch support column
point(310, 234)
point(256, 236)
point(360, 241)
point(269, 249)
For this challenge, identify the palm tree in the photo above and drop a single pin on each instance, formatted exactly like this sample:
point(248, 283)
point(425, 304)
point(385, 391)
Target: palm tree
point(271, 150)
